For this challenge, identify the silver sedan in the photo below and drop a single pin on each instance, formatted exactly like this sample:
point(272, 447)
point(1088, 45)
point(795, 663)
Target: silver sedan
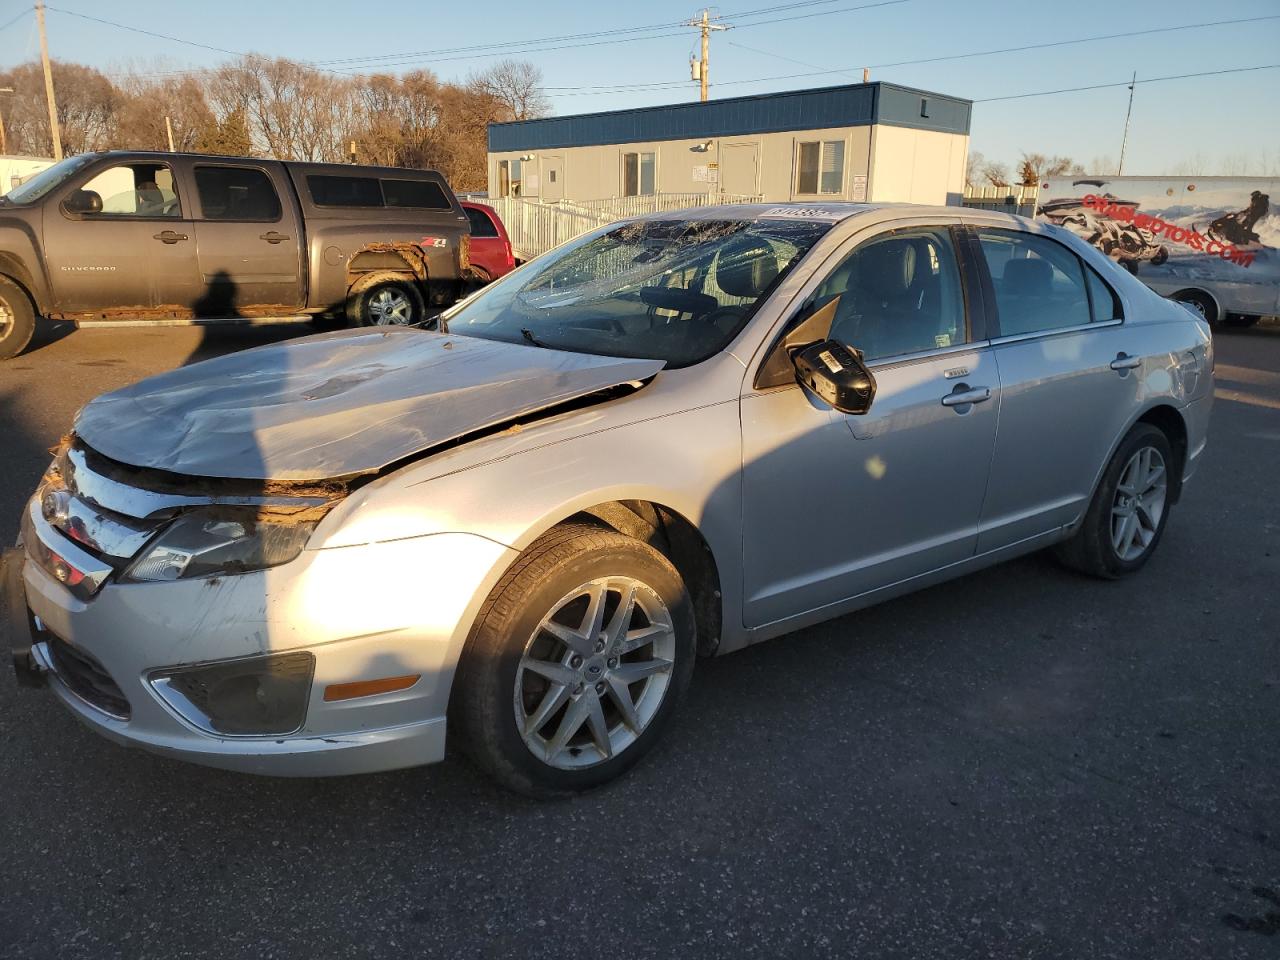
point(670, 438)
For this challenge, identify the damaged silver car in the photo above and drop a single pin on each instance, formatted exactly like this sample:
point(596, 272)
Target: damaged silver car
point(669, 438)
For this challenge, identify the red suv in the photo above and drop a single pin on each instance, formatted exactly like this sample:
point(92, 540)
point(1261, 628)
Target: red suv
point(490, 246)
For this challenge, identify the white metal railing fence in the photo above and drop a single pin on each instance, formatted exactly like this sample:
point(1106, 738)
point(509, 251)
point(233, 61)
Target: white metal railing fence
point(535, 226)
point(1011, 198)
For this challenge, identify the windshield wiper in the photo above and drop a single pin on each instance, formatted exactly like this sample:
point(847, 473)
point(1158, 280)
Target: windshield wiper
point(528, 335)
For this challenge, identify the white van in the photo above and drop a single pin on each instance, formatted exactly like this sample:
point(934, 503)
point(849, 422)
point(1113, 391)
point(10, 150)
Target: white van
point(1211, 242)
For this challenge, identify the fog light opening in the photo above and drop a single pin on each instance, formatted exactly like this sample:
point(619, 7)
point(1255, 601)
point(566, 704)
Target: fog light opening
point(262, 696)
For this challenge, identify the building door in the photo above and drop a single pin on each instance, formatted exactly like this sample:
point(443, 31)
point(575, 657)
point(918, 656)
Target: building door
point(552, 178)
point(739, 169)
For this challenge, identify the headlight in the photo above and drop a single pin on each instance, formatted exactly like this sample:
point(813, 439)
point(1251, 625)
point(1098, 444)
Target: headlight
point(206, 543)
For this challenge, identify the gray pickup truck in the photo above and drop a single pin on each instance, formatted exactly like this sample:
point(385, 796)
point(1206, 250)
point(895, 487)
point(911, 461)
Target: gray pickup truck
point(130, 236)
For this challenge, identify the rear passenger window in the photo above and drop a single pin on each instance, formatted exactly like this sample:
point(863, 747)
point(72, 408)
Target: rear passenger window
point(422, 194)
point(481, 225)
point(236, 193)
point(1106, 305)
point(344, 191)
point(897, 294)
point(1039, 284)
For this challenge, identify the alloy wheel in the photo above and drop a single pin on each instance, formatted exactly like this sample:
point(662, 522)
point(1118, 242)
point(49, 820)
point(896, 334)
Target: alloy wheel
point(1139, 504)
point(6, 319)
point(390, 305)
point(594, 673)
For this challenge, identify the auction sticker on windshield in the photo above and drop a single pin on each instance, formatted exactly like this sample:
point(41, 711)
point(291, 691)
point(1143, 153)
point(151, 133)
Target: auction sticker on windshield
point(804, 213)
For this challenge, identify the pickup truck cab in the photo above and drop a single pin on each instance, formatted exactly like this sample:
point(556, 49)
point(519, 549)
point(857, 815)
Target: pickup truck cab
point(137, 236)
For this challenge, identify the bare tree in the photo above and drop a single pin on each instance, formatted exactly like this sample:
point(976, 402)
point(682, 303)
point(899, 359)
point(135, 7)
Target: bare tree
point(973, 165)
point(146, 102)
point(294, 112)
point(516, 85)
point(87, 106)
point(996, 174)
point(1034, 167)
point(1104, 165)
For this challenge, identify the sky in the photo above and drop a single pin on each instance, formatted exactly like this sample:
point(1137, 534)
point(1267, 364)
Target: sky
point(1224, 124)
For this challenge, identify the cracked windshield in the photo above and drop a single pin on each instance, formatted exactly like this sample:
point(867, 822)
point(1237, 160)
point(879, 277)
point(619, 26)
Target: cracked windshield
point(673, 290)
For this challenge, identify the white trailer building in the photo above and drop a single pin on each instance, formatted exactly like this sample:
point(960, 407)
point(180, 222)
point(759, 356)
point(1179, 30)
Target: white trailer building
point(869, 141)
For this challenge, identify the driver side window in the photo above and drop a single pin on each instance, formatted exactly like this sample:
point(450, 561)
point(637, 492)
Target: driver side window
point(143, 190)
point(897, 294)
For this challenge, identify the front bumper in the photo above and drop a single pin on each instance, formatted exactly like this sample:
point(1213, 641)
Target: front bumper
point(364, 612)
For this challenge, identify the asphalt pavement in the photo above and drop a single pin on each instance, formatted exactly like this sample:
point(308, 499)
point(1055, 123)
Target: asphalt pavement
point(1023, 763)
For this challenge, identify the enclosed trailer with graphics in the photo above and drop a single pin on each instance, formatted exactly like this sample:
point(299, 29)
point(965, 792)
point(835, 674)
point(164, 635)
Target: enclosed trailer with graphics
point(1210, 242)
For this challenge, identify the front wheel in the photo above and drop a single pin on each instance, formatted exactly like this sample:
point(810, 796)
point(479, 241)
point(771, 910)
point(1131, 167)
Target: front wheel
point(17, 319)
point(1127, 516)
point(576, 663)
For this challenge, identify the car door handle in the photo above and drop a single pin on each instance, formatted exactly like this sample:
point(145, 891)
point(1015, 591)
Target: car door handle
point(168, 236)
point(272, 237)
point(959, 398)
point(1125, 362)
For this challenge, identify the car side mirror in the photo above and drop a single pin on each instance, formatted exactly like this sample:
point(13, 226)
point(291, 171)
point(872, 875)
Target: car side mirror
point(836, 375)
point(84, 201)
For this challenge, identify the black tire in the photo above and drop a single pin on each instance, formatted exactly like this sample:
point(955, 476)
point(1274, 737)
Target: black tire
point(365, 293)
point(1161, 257)
point(1201, 301)
point(1090, 549)
point(17, 319)
point(483, 708)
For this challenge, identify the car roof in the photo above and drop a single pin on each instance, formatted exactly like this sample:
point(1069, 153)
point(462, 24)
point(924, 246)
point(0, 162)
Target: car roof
point(832, 212)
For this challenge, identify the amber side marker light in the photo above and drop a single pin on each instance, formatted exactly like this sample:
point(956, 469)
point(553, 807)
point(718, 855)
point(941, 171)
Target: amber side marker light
point(368, 688)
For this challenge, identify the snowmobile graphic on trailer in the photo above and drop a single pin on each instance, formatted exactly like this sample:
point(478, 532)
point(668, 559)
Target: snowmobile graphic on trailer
point(1211, 242)
point(1123, 242)
point(1237, 228)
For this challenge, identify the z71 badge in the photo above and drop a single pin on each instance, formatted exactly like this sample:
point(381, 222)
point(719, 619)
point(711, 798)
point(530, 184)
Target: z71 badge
point(433, 242)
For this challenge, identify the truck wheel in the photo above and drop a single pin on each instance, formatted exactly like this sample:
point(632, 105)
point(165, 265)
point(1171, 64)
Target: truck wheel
point(576, 662)
point(382, 300)
point(17, 319)
point(1201, 302)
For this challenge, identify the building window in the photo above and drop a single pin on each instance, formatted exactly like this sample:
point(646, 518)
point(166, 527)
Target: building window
point(820, 167)
point(638, 174)
point(508, 178)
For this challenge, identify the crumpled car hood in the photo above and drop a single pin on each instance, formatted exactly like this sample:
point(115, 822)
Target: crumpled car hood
point(338, 404)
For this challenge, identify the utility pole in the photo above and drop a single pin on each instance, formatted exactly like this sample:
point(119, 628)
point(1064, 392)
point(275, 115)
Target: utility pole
point(48, 84)
point(168, 128)
point(4, 142)
point(1125, 140)
point(702, 67)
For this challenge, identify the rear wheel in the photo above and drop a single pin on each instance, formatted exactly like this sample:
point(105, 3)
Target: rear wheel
point(381, 301)
point(576, 663)
point(1201, 302)
point(1127, 516)
point(17, 319)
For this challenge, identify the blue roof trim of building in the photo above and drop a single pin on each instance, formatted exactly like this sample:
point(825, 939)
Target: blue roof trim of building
point(854, 105)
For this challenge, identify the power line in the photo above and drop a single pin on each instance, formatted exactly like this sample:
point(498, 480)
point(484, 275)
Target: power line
point(1125, 83)
point(1018, 49)
point(770, 53)
point(508, 45)
point(149, 33)
point(406, 59)
point(10, 23)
